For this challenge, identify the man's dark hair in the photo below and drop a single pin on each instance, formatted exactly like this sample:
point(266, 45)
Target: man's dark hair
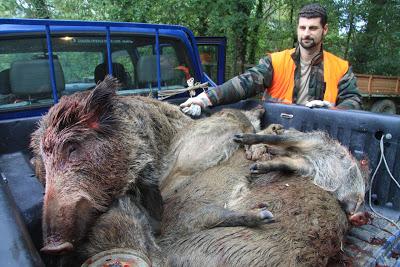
point(314, 11)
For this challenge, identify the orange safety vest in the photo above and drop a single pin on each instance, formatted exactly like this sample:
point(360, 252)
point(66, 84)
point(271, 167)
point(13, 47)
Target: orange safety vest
point(283, 79)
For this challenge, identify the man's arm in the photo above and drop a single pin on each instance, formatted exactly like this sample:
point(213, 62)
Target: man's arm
point(240, 87)
point(243, 86)
point(349, 96)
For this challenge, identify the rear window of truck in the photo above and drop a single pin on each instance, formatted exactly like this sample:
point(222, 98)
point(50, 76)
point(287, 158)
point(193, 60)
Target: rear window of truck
point(80, 61)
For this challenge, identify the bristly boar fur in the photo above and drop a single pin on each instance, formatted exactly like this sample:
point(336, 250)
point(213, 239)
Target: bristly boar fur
point(93, 147)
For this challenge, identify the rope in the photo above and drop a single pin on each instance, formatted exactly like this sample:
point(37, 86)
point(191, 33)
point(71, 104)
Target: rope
point(372, 180)
point(163, 94)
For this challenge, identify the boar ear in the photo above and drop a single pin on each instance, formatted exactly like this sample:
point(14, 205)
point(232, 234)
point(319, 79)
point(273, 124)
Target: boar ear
point(36, 161)
point(254, 116)
point(98, 104)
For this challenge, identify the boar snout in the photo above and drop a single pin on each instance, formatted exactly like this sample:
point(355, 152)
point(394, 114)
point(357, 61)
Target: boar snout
point(65, 222)
point(58, 248)
point(351, 203)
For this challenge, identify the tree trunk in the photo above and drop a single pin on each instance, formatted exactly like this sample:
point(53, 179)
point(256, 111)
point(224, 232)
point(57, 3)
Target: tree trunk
point(294, 36)
point(243, 30)
point(254, 36)
point(351, 28)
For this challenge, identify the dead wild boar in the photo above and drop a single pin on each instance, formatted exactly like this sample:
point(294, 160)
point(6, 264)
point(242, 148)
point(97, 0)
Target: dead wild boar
point(207, 191)
point(93, 147)
point(312, 154)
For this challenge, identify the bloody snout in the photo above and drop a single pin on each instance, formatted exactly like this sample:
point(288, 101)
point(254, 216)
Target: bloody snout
point(64, 222)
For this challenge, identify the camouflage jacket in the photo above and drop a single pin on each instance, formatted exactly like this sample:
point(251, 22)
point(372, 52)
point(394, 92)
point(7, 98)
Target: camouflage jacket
point(254, 81)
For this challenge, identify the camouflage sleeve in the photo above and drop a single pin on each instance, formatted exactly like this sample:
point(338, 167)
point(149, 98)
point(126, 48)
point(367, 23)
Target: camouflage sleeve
point(349, 96)
point(243, 86)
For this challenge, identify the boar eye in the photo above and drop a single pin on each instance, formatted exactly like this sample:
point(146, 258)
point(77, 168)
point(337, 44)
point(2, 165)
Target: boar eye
point(72, 151)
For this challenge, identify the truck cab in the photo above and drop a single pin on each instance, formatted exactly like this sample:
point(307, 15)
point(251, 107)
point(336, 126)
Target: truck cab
point(43, 60)
point(40, 61)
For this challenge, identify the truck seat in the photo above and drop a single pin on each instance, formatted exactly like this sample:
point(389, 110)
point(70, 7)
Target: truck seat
point(147, 70)
point(5, 87)
point(31, 78)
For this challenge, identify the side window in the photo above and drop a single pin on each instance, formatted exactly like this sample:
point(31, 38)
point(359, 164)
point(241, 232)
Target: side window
point(81, 58)
point(123, 68)
point(145, 50)
point(179, 67)
point(174, 69)
point(208, 57)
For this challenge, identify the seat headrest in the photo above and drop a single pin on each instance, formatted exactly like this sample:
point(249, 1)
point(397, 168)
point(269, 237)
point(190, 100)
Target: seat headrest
point(147, 68)
point(32, 77)
point(101, 71)
point(5, 87)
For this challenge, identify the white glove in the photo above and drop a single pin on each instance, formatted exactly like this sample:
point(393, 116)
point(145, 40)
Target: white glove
point(194, 105)
point(193, 110)
point(319, 104)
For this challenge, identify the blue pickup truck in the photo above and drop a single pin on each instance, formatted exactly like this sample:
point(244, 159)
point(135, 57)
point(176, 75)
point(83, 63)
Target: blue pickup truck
point(42, 60)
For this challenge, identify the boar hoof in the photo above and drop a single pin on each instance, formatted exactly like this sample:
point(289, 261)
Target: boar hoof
point(274, 129)
point(257, 168)
point(238, 138)
point(266, 215)
point(58, 249)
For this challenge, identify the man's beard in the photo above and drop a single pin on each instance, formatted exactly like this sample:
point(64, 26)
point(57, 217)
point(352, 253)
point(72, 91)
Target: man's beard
point(308, 45)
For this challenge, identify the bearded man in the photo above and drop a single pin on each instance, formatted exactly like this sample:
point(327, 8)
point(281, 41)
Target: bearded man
point(305, 75)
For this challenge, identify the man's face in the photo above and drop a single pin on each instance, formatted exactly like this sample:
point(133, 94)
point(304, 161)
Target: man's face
point(310, 32)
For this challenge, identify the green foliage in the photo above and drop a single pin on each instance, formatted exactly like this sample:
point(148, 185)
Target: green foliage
point(376, 45)
point(366, 32)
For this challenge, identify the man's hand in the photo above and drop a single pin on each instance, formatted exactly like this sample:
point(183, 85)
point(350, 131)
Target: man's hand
point(194, 105)
point(319, 104)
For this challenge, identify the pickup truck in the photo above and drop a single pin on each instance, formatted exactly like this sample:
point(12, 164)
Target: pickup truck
point(42, 60)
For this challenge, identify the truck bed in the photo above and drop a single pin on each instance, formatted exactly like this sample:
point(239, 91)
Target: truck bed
point(376, 244)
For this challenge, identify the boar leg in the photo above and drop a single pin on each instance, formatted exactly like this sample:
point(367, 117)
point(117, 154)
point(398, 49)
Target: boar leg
point(272, 139)
point(211, 216)
point(283, 164)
